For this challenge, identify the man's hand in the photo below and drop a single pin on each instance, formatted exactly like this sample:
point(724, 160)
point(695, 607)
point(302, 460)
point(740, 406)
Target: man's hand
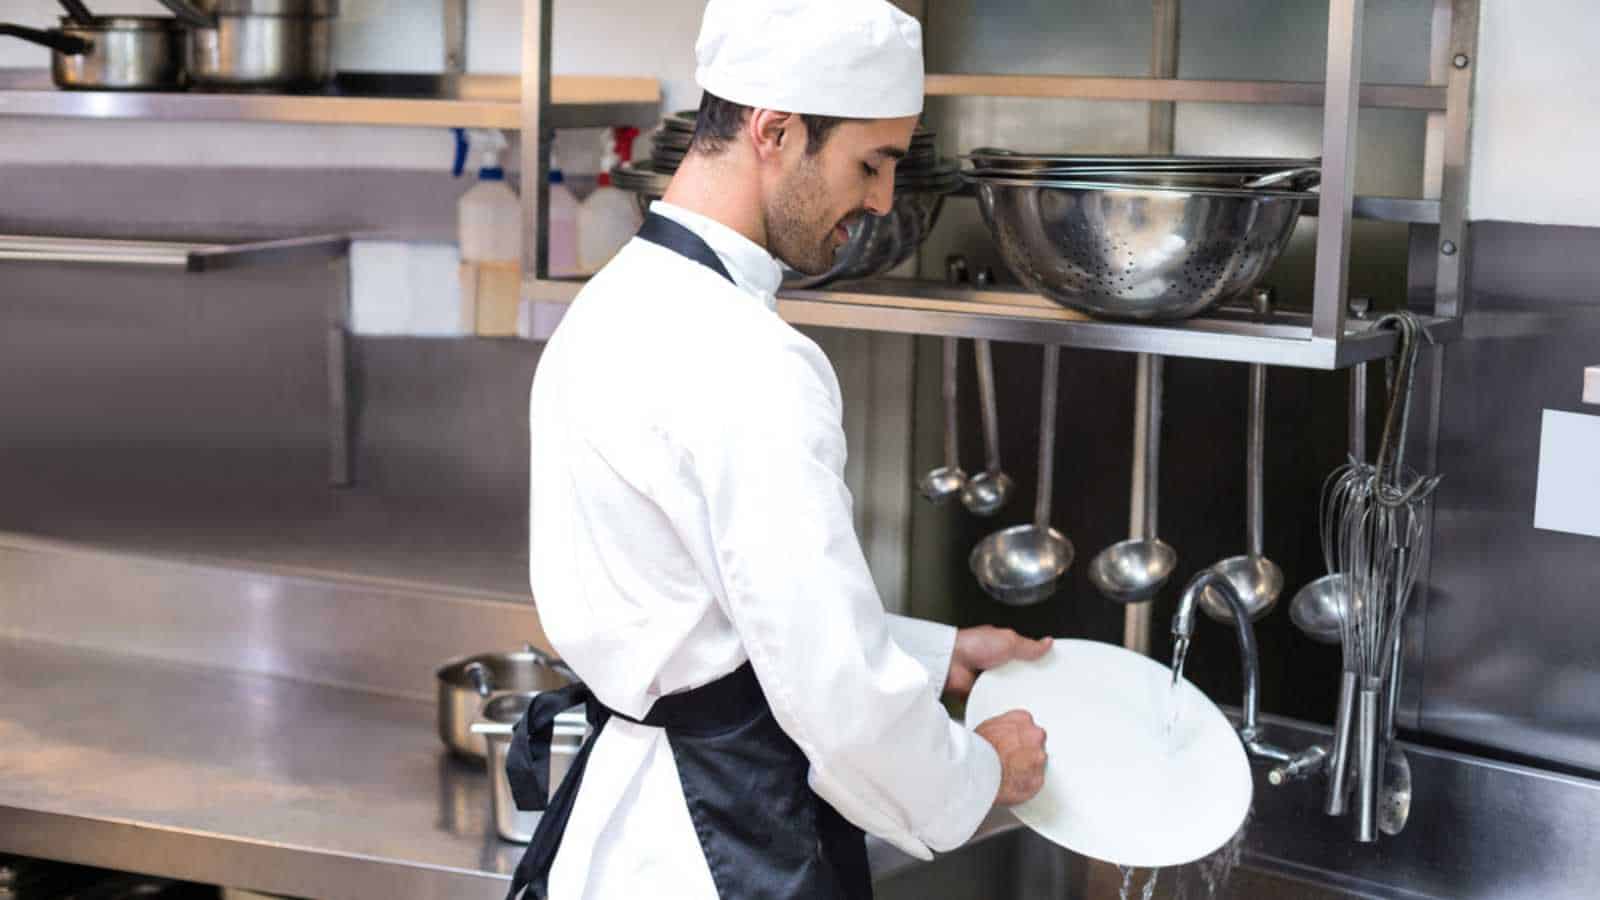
point(1020, 744)
point(986, 647)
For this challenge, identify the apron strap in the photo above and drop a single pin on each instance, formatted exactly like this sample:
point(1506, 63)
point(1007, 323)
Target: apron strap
point(710, 709)
point(528, 758)
point(663, 232)
point(528, 770)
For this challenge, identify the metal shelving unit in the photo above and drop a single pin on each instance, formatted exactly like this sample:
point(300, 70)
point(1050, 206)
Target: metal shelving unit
point(934, 308)
point(1322, 340)
point(190, 256)
point(356, 98)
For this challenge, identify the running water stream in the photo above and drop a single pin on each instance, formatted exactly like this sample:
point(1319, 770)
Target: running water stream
point(1180, 652)
point(1204, 879)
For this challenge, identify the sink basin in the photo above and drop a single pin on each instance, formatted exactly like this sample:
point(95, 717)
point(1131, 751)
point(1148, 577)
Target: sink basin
point(1013, 863)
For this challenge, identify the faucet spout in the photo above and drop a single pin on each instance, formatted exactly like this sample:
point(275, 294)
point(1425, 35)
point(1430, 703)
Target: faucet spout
point(1249, 658)
point(1289, 766)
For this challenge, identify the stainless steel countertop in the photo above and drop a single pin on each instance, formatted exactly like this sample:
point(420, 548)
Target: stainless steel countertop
point(249, 781)
point(237, 779)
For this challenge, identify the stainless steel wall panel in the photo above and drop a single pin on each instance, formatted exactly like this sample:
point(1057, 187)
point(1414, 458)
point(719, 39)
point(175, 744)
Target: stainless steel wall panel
point(383, 636)
point(1278, 41)
point(1510, 659)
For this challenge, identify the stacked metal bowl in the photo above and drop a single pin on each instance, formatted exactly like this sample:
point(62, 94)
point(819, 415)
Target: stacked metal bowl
point(1140, 238)
point(876, 243)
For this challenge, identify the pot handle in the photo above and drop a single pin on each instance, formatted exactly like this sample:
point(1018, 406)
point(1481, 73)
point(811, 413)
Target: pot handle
point(189, 14)
point(550, 662)
point(64, 44)
point(78, 12)
point(481, 678)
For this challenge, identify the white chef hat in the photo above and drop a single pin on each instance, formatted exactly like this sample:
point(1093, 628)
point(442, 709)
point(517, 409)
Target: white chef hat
point(851, 59)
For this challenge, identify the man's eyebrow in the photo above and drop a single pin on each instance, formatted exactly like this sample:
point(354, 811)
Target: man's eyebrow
point(891, 151)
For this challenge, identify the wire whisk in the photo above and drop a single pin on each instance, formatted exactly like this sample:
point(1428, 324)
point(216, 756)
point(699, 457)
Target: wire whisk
point(1374, 523)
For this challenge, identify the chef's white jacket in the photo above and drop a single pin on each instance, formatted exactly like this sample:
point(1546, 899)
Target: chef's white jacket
point(689, 513)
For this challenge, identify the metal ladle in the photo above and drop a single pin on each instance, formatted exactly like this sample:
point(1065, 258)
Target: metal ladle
point(987, 492)
point(940, 484)
point(1022, 565)
point(1132, 571)
point(1256, 579)
point(1317, 608)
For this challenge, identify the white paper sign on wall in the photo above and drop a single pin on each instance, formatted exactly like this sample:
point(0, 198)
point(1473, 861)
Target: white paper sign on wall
point(1569, 474)
point(1591, 385)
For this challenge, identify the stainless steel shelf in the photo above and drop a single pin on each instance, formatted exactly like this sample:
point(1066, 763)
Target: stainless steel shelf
point(1179, 90)
point(933, 308)
point(189, 256)
point(356, 98)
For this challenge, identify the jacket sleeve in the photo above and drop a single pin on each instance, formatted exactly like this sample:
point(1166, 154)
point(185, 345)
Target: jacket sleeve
point(796, 586)
point(930, 643)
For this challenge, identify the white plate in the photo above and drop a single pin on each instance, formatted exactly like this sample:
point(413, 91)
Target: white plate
point(1121, 785)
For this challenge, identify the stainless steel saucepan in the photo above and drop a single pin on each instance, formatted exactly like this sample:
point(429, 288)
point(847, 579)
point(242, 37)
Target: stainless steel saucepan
point(464, 685)
point(497, 724)
point(111, 53)
point(246, 45)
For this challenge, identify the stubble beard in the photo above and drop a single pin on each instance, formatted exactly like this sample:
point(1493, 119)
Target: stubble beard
point(799, 232)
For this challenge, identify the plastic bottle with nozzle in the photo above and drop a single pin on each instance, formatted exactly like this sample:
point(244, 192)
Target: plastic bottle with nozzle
point(489, 230)
point(609, 217)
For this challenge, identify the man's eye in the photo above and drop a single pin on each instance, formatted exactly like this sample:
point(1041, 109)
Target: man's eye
point(871, 172)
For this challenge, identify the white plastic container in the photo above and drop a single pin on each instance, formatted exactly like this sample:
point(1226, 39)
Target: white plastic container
point(607, 221)
point(489, 230)
point(563, 228)
point(489, 216)
point(609, 217)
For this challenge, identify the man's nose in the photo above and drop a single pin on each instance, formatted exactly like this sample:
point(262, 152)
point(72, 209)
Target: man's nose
point(880, 196)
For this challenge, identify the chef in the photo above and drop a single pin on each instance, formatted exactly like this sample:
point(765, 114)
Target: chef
point(754, 710)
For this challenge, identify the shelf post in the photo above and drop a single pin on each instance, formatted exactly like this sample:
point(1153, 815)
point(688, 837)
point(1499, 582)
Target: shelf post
point(1451, 284)
point(1340, 116)
point(1136, 619)
point(455, 37)
point(536, 16)
point(341, 431)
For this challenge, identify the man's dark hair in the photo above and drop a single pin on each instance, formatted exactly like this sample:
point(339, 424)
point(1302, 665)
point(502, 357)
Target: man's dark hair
point(719, 122)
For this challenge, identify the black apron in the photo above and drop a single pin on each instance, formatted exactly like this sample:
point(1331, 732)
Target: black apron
point(765, 834)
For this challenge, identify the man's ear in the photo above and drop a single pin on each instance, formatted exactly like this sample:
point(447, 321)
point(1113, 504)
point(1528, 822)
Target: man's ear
point(770, 131)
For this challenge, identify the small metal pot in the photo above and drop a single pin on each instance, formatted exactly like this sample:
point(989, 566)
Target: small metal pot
point(499, 719)
point(115, 53)
point(247, 45)
point(464, 685)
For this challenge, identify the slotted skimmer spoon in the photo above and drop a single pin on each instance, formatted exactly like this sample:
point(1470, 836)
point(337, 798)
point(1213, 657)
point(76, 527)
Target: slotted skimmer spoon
point(1022, 565)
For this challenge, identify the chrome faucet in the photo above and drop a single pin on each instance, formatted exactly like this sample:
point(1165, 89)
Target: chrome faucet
point(1290, 765)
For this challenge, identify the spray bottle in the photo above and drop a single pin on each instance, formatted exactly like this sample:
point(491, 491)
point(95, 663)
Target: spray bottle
point(609, 217)
point(489, 228)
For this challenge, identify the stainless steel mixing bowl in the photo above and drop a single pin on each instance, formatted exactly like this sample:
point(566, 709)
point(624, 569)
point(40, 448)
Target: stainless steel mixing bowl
point(876, 244)
point(1014, 161)
point(1136, 253)
point(880, 243)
